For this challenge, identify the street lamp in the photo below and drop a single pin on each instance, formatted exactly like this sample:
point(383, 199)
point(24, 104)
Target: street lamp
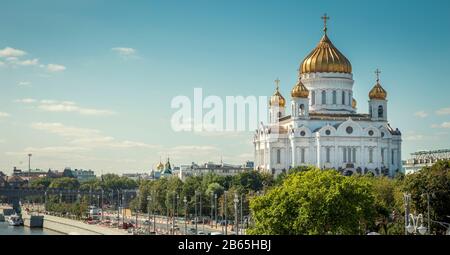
point(406, 199)
point(195, 218)
point(236, 201)
point(149, 198)
point(225, 211)
point(215, 208)
point(185, 214)
point(413, 228)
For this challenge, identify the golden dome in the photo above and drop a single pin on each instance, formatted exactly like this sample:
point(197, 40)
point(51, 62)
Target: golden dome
point(354, 103)
point(159, 166)
point(277, 99)
point(377, 92)
point(300, 90)
point(325, 58)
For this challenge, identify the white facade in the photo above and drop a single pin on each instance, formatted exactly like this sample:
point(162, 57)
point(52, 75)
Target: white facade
point(327, 132)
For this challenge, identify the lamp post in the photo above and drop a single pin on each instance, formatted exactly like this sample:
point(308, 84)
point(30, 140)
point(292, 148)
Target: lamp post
point(225, 211)
point(185, 214)
point(414, 227)
point(149, 198)
point(29, 168)
point(201, 209)
point(101, 207)
point(406, 199)
point(427, 195)
point(236, 201)
point(212, 208)
point(195, 218)
point(173, 213)
point(215, 208)
point(118, 208)
point(242, 216)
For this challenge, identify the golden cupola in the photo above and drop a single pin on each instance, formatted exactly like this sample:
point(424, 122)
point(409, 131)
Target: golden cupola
point(277, 99)
point(325, 58)
point(299, 90)
point(378, 92)
point(354, 103)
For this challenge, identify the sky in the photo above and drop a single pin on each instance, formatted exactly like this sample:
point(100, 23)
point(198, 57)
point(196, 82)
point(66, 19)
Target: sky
point(89, 83)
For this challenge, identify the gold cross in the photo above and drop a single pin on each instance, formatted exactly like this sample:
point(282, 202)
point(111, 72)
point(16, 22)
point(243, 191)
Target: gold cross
point(277, 82)
point(325, 18)
point(377, 73)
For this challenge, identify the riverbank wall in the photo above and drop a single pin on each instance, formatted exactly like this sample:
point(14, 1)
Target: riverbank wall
point(73, 227)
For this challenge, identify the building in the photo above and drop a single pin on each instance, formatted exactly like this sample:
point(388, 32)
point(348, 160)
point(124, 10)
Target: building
point(422, 159)
point(324, 128)
point(3, 182)
point(137, 176)
point(161, 170)
point(221, 169)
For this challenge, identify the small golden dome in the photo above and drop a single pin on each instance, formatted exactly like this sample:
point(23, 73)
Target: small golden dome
point(159, 166)
point(325, 58)
point(354, 103)
point(377, 92)
point(277, 99)
point(300, 90)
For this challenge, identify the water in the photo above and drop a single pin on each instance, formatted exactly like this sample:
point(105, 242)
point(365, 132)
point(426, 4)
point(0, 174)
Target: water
point(5, 229)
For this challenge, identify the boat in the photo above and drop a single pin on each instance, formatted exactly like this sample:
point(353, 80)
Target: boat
point(15, 220)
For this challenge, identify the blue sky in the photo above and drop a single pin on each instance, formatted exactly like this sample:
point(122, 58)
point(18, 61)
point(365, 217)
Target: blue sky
point(99, 76)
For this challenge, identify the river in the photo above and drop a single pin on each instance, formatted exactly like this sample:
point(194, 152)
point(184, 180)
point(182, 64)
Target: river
point(5, 229)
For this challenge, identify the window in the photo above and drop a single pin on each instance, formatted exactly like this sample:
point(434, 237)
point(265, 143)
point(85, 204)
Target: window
point(334, 96)
point(382, 155)
point(328, 154)
point(324, 97)
point(344, 154)
point(278, 156)
point(302, 133)
point(380, 111)
point(349, 155)
point(302, 156)
point(279, 114)
point(327, 132)
point(349, 98)
point(354, 155)
point(392, 157)
point(349, 130)
point(302, 110)
point(370, 155)
point(343, 97)
point(313, 97)
point(370, 132)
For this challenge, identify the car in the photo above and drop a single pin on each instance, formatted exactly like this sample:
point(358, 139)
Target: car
point(215, 234)
point(201, 233)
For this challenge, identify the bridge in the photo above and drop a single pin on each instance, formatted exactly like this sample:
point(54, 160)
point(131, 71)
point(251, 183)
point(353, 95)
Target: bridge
point(15, 195)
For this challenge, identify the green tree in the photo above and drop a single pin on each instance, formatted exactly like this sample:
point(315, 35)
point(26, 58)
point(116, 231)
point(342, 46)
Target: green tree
point(314, 202)
point(64, 183)
point(435, 181)
point(40, 183)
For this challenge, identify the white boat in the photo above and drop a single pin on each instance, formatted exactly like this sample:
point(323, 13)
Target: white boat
point(15, 220)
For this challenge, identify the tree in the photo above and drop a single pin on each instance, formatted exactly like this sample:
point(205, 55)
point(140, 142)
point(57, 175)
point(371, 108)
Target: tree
point(40, 183)
point(435, 181)
point(314, 202)
point(64, 183)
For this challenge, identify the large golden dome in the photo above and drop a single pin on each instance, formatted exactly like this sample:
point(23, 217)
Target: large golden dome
point(300, 90)
point(354, 103)
point(325, 58)
point(160, 166)
point(277, 99)
point(377, 92)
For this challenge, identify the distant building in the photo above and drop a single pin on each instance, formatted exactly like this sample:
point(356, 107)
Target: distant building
point(16, 181)
point(137, 176)
point(221, 169)
point(80, 174)
point(3, 182)
point(422, 159)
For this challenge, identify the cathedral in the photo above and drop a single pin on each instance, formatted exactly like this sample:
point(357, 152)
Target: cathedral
point(324, 128)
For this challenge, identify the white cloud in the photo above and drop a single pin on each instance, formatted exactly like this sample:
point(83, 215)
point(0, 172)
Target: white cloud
point(65, 106)
point(24, 83)
point(421, 114)
point(28, 62)
point(55, 68)
point(25, 100)
point(11, 52)
point(442, 125)
point(125, 52)
point(443, 111)
point(87, 138)
point(4, 115)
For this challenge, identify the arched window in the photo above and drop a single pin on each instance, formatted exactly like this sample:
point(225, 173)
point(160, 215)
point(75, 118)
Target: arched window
point(349, 98)
point(343, 97)
point(324, 97)
point(313, 97)
point(279, 114)
point(334, 96)
point(302, 110)
point(380, 111)
point(278, 156)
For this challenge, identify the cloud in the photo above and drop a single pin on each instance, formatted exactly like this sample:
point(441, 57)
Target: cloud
point(11, 52)
point(4, 115)
point(442, 125)
point(25, 100)
point(55, 68)
point(24, 83)
point(65, 106)
point(87, 138)
point(443, 111)
point(421, 114)
point(125, 52)
point(29, 62)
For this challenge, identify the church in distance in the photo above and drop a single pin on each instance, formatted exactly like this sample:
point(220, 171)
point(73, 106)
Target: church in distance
point(324, 128)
